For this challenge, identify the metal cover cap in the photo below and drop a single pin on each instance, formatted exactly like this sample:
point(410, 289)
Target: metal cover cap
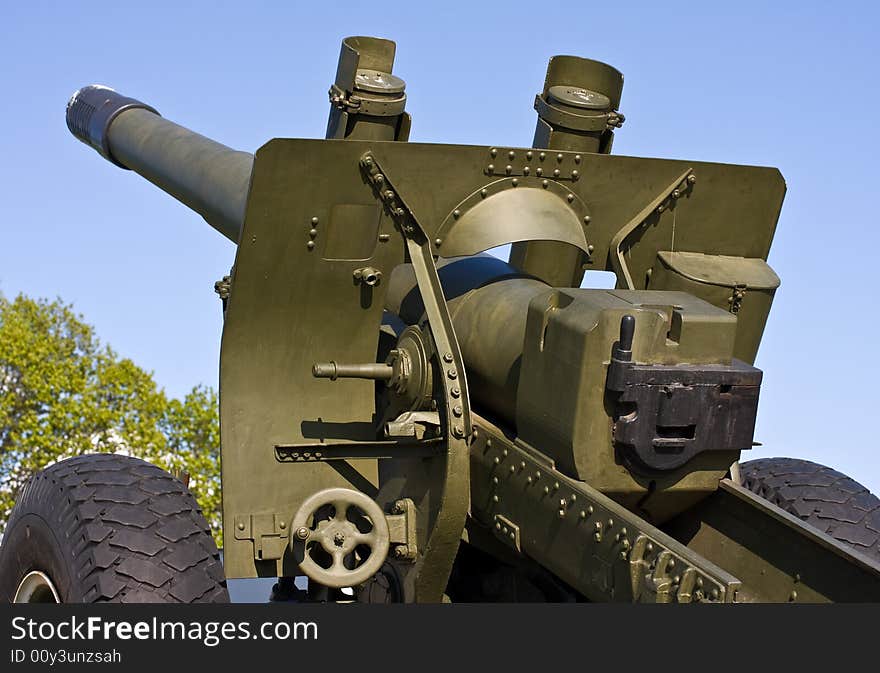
point(579, 97)
point(376, 81)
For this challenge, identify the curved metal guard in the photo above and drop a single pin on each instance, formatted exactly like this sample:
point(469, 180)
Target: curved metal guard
point(513, 210)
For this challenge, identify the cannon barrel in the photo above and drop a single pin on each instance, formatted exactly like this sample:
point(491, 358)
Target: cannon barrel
point(204, 175)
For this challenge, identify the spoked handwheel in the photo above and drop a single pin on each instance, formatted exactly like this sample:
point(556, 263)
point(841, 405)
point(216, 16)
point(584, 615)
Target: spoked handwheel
point(340, 537)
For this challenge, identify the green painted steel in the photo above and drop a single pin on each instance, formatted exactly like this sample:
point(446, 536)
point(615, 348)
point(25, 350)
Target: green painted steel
point(521, 437)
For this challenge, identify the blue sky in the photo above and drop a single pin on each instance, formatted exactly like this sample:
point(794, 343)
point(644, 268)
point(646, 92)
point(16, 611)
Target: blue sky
point(792, 85)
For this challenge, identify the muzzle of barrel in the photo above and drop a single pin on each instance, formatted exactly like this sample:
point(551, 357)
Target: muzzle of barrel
point(92, 109)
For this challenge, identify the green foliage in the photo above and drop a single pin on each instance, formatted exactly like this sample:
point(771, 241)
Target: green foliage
point(63, 393)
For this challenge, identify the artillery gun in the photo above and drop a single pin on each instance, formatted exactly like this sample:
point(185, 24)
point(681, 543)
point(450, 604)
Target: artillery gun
point(408, 417)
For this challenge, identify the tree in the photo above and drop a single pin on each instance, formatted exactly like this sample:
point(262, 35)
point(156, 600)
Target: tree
point(63, 393)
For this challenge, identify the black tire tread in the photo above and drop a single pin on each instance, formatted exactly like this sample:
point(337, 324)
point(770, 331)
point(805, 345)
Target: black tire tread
point(134, 532)
point(823, 497)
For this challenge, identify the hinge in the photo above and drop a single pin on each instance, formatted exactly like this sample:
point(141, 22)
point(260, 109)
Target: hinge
point(736, 298)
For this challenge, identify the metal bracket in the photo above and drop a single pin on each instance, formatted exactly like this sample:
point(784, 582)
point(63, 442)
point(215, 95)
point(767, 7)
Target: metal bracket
point(440, 323)
point(402, 530)
point(736, 297)
point(375, 107)
point(676, 189)
point(660, 576)
point(597, 121)
point(415, 424)
point(268, 532)
point(319, 451)
point(442, 544)
point(508, 531)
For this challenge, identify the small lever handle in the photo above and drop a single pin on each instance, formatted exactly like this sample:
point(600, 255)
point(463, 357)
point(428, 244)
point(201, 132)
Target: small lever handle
point(621, 355)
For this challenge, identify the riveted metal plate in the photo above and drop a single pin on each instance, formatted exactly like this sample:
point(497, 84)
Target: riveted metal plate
point(585, 538)
point(508, 531)
point(560, 166)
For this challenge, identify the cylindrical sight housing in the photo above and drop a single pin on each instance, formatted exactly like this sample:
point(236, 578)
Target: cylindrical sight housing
point(577, 108)
point(367, 102)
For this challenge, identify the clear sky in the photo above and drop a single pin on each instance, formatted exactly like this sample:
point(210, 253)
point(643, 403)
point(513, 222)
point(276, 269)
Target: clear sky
point(792, 85)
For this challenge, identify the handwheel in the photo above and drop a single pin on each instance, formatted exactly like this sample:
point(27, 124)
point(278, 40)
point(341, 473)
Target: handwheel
point(334, 549)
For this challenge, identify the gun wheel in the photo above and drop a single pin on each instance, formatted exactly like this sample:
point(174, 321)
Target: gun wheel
point(108, 528)
point(825, 498)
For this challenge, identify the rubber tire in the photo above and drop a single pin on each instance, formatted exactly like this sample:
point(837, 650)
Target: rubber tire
point(824, 498)
point(111, 528)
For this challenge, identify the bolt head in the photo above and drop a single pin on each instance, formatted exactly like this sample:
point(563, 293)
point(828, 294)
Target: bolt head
point(302, 533)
